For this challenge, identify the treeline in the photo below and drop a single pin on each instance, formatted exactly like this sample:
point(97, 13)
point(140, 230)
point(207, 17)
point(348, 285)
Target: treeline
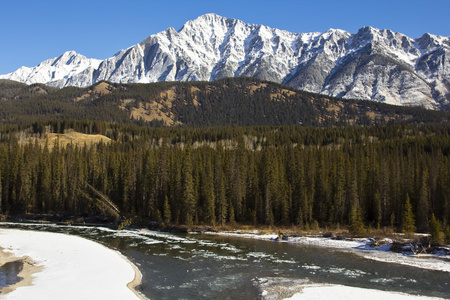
point(287, 175)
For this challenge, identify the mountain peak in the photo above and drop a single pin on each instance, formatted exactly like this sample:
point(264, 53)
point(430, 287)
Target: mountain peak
point(211, 17)
point(374, 64)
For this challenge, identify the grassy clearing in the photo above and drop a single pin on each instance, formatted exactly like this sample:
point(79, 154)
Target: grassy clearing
point(71, 137)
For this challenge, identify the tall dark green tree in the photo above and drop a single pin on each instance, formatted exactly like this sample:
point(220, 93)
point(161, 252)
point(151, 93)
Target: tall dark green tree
point(188, 189)
point(208, 195)
point(423, 203)
point(167, 211)
point(408, 222)
point(437, 236)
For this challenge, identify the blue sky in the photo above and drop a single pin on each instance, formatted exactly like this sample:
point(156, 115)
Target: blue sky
point(32, 31)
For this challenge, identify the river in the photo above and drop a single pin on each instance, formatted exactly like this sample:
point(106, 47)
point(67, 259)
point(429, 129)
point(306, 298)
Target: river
point(180, 266)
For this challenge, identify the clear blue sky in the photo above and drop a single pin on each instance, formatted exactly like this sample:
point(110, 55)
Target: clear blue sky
point(32, 31)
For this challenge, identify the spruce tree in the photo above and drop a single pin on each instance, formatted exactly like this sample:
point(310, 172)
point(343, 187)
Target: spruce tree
point(356, 221)
point(188, 190)
point(167, 212)
point(447, 234)
point(222, 208)
point(408, 222)
point(208, 195)
point(377, 208)
point(423, 204)
point(231, 213)
point(437, 236)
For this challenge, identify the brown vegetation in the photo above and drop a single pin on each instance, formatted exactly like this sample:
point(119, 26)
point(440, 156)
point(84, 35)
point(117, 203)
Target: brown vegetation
point(70, 137)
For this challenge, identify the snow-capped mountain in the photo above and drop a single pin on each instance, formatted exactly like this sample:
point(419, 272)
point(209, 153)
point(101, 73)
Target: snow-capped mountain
point(59, 71)
point(371, 64)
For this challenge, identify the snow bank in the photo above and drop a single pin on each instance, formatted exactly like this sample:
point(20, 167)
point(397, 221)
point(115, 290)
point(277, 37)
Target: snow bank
point(337, 292)
point(73, 267)
point(362, 247)
point(293, 289)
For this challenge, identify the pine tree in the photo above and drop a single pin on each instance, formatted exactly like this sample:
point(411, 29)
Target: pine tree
point(437, 236)
point(377, 208)
point(167, 212)
point(188, 190)
point(356, 221)
point(231, 213)
point(355, 217)
point(408, 223)
point(221, 201)
point(447, 234)
point(423, 203)
point(339, 194)
point(208, 195)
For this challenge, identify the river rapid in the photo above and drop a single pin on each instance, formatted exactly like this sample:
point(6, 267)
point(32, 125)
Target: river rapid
point(181, 266)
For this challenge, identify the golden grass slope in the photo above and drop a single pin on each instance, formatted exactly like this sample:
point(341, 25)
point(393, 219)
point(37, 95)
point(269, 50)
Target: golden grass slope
point(70, 137)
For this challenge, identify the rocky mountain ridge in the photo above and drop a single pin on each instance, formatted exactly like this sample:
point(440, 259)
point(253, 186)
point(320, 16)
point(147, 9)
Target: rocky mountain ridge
point(371, 64)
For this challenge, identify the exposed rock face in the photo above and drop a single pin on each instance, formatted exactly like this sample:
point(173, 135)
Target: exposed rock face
point(372, 64)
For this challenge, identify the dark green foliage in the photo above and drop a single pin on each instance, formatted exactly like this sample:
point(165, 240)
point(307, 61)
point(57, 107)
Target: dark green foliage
point(356, 223)
point(437, 236)
point(230, 101)
point(167, 211)
point(408, 223)
point(274, 175)
point(447, 234)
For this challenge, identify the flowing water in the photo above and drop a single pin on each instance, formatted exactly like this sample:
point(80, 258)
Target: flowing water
point(221, 267)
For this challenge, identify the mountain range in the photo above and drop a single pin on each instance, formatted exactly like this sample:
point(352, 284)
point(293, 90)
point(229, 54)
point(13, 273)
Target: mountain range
point(372, 64)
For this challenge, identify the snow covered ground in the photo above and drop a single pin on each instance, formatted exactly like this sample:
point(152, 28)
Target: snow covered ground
point(338, 292)
point(72, 267)
point(362, 247)
point(288, 289)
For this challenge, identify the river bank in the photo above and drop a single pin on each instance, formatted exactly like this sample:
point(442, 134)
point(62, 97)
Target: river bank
point(383, 250)
point(60, 266)
point(286, 289)
point(229, 265)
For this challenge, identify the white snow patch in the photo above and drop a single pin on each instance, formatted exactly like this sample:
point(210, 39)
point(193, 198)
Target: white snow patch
point(438, 262)
point(74, 267)
point(337, 292)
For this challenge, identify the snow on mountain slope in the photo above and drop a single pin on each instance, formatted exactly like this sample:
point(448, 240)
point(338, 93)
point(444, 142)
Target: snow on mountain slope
point(373, 64)
point(55, 71)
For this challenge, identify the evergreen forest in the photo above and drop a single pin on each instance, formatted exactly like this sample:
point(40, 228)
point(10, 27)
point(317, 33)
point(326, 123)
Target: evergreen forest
point(289, 175)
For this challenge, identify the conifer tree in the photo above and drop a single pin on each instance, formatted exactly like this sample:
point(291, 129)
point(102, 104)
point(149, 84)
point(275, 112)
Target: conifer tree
point(231, 213)
point(408, 223)
point(423, 203)
point(208, 196)
point(188, 190)
point(167, 211)
point(356, 225)
point(447, 234)
point(339, 195)
point(437, 236)
point(377, 208)
point(221, 201)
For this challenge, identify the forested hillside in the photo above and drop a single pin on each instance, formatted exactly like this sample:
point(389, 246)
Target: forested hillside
point(236, 101)
point(271, 175)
